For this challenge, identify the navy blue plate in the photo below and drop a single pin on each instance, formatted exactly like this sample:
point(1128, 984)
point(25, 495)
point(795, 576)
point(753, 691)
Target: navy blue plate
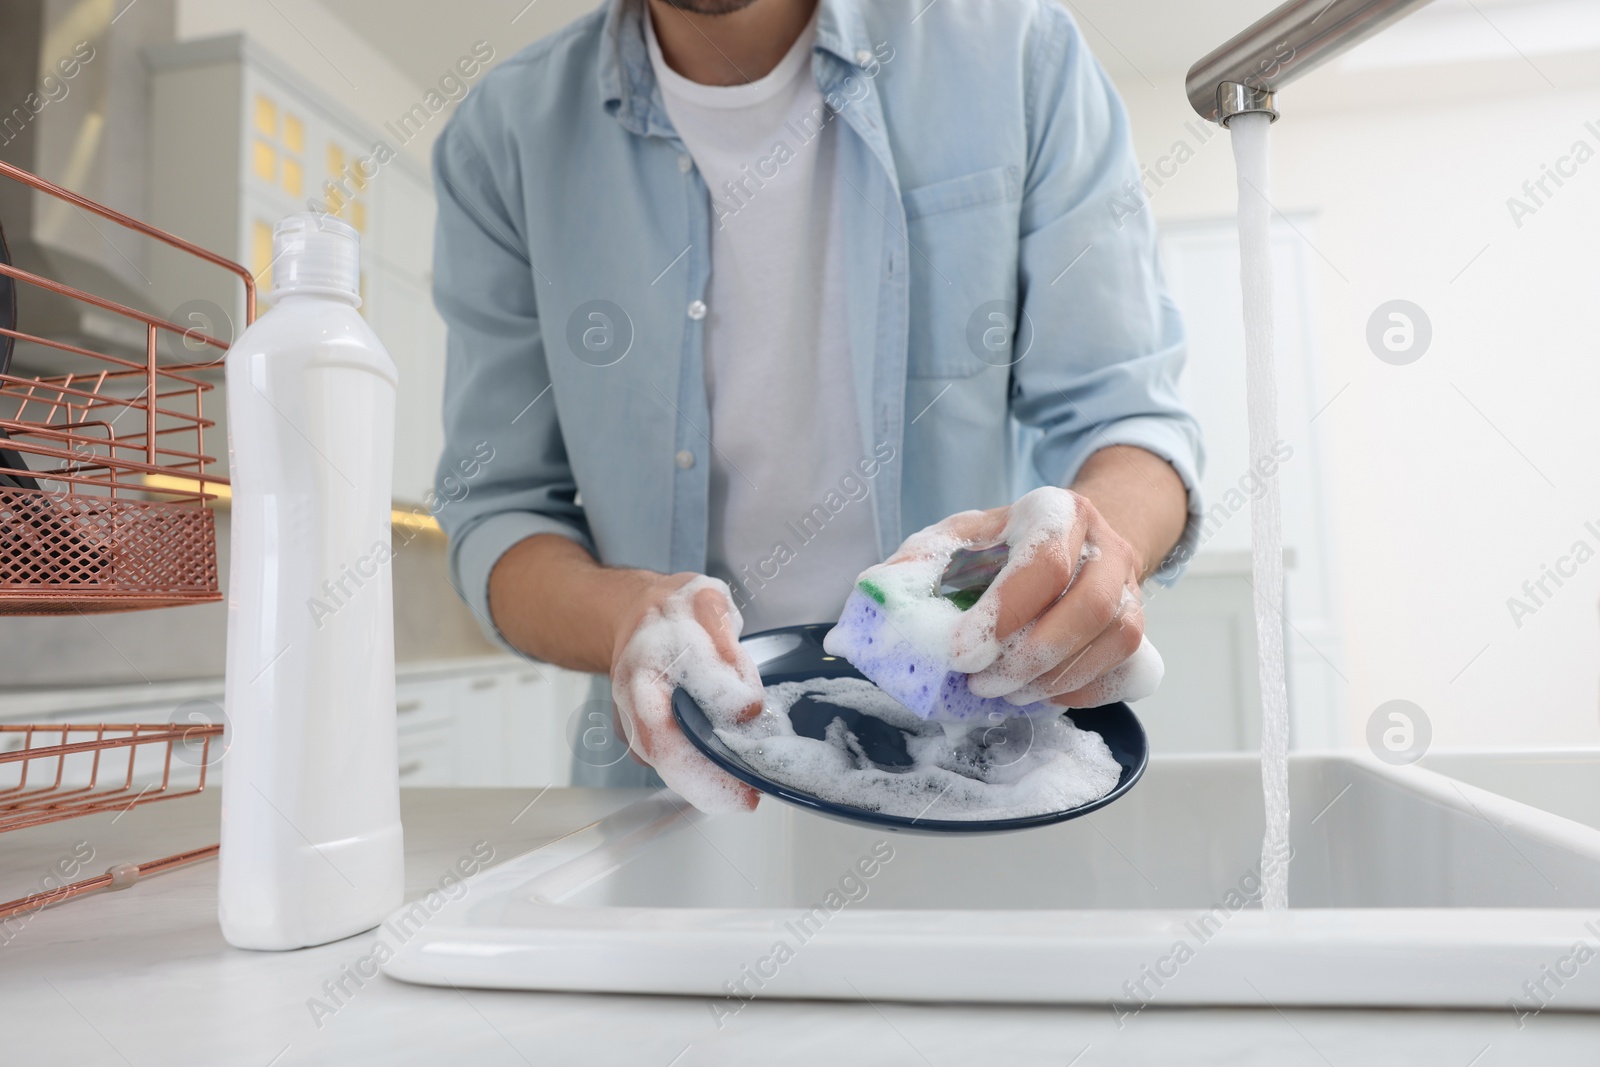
point(795, 654)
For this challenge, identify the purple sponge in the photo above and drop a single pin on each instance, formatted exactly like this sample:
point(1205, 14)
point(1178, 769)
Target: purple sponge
point(922, 682)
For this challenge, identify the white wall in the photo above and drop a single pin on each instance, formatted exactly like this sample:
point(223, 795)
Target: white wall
point(1452, 480)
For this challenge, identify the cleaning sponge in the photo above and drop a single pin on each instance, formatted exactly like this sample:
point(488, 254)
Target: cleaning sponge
point(920, 626)
point(867, 636)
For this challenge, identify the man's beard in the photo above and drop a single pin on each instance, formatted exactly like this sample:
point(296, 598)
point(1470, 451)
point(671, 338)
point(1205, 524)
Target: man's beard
point(710, 7)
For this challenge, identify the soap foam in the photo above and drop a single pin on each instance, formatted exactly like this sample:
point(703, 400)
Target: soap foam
point(994, 768)
point(947, 664)
point(670, 648)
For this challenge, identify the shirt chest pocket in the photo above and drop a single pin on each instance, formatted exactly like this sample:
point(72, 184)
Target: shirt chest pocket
point(962, 234)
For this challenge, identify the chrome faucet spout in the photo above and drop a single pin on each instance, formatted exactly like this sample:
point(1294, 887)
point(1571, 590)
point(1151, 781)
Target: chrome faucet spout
point(1244, 74)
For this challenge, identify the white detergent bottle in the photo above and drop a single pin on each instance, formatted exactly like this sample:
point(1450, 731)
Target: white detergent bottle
point(311, 848)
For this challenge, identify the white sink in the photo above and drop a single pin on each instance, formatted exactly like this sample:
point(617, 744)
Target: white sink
point(1563, 781)
point(1408, 888)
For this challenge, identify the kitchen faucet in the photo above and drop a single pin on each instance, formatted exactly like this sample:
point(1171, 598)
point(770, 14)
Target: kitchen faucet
point(1244, 74)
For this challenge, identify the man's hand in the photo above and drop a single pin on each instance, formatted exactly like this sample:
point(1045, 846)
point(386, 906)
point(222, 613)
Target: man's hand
point(684, 630)
point(652, 633)
point(1063, 619)
point(1067, 615)
point(1061, 614)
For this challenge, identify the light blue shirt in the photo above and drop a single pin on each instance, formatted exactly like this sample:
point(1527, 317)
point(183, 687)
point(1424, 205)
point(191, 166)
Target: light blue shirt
point(984, 163)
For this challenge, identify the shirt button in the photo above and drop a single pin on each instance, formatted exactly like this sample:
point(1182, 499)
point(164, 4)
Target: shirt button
point(684, 162)
point(863, 57)
point(684, 459)
point(697, 310)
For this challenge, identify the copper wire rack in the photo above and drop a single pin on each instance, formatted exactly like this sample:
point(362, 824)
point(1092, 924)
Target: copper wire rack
point(104, 480)
point(103, 473)
point(64, 771)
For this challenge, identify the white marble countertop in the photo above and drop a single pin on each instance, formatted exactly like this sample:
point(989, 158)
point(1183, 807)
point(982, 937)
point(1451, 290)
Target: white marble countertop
point(143, 977)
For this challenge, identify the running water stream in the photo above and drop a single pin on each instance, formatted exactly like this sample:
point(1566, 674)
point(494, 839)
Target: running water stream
point(1249, 132)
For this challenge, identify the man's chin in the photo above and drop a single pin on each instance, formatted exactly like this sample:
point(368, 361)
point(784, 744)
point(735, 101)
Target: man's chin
point(709, 7)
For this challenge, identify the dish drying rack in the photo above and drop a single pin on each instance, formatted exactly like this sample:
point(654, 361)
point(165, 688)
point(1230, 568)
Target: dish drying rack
point(103, 489)
point(109, 787)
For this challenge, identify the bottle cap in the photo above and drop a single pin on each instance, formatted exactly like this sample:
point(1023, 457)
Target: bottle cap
point(316, 253)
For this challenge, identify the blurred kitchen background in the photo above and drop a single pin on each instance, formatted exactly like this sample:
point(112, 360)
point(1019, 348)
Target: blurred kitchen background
point(1419, 498)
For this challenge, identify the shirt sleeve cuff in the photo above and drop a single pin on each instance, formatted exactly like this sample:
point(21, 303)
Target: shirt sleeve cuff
point(475, 552)
point(1173, 442)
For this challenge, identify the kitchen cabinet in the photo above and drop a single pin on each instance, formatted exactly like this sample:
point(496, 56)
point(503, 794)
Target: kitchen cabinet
point(492, 721)
point(539, 708)
point(238, 142)
point(495, 721)
point(425, 757)
point(1205, 629)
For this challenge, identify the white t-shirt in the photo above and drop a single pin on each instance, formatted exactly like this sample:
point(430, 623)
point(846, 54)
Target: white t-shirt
point(791, 524)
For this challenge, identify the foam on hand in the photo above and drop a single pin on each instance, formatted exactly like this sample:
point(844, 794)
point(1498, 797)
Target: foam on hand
point(672, 647)
point(924, 646)
point(997, 767)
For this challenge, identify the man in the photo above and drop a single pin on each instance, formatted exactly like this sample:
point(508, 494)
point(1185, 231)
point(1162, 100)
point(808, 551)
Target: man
point(755, 288)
